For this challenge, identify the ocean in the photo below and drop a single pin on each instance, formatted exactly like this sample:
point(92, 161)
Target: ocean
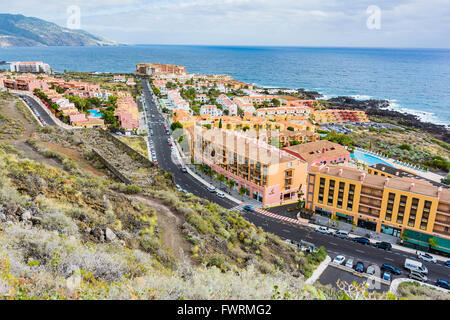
point(415, 81)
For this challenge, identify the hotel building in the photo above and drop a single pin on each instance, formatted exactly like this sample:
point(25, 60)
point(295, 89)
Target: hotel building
point(155, 69)
point(33, 67)
point(271, 175)
point(339, 116)
point(394, 206)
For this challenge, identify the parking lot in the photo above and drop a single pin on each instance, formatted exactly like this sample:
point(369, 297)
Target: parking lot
point(331, 275)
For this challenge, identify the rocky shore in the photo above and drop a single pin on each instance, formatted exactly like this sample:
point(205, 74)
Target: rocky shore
point(379, 109)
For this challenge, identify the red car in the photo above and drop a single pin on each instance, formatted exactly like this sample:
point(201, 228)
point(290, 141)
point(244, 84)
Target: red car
point(170, 144)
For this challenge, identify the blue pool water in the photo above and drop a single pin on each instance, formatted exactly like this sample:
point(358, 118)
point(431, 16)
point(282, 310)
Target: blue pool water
point(367, 158)
point(95, 113)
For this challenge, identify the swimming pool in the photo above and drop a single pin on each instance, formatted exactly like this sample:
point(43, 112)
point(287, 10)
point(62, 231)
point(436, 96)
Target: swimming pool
point(95, 113)
point(368, 158)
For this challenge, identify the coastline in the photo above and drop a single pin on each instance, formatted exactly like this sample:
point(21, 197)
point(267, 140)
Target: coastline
point(423, 117)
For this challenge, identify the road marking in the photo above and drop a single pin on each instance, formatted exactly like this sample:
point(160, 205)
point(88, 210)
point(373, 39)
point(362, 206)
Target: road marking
point(334, 244)
point(360, 251)
point(389, 259)
point(286, 230)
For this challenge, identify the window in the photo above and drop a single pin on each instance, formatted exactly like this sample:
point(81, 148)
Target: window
point(351, 196)
point(331, 192)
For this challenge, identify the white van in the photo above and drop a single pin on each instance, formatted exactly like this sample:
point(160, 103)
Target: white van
point(413, 265)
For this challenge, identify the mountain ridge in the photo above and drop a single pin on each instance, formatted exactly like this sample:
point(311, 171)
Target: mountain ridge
point(17, 30)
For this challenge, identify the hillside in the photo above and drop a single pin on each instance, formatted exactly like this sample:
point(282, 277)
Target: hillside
point(69, 229)
point(21, 31)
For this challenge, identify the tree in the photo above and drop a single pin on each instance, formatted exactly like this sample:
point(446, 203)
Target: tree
point(231, 183)
point(242, 191)
point(300, 194)
point(221, 178)
point(220, 124)
point(290, 128)
point(176, 125)
point(432, 243)
point(276, 102)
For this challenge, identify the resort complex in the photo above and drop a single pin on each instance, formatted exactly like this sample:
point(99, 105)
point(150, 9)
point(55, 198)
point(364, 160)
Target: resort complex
point(269, 147)
point(69, 100)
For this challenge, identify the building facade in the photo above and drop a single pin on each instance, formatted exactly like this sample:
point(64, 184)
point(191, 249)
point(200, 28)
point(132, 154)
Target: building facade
point(271, 175)
point(401, 207)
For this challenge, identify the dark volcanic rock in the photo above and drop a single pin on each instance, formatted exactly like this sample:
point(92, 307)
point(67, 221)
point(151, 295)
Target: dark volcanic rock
point(378, 108)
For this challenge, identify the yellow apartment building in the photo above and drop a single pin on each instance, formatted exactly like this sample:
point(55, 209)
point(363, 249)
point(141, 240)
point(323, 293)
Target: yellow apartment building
point(393, 206)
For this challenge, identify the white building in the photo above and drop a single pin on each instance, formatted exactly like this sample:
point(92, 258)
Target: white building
point(212, 110)
point(227, 104)
point(33, 67)
point(176, 101)
point(201, 98)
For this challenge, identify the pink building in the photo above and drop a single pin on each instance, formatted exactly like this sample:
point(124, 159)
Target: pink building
point(320, 152)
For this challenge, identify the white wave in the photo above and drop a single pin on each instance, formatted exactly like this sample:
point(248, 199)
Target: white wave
point(423, 116)
point(361, 97)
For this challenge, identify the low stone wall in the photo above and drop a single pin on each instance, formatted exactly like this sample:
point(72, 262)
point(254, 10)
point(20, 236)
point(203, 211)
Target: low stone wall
point(111, 168)
point(130, 151)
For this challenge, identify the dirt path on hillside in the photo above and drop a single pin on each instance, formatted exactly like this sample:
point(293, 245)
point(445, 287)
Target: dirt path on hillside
point(170, 224)
point(75, 155)
point(28, 127)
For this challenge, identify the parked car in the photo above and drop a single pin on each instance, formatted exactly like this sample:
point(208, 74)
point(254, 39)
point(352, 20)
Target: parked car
point(349, 263)
point(443, 284)
point(179, 188)
point(183, 169)
point(386, 276)
point(447, 263)
point(361, 240)
point(359, 266)
point(307, 246)
point(220, 194)
point(384, 245)
point(323, 230)
point(339, 259)
point(391, 268)
point(418, 276)
point(370, 270)
point(248, 208)
point(426, 257)
point(211, 189)
point(341, 234)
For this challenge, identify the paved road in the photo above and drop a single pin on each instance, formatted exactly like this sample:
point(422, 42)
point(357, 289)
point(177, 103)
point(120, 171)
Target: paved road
point(334, 246)
point(164, 155)
point(38, 110)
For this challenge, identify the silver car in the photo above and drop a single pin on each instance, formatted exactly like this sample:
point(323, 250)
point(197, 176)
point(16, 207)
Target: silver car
point(349, 263)
point(418, 276)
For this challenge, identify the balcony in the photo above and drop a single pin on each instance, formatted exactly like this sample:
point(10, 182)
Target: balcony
point(443, 212)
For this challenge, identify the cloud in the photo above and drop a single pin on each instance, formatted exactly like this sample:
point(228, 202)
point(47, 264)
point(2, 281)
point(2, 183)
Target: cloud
point(253, 22)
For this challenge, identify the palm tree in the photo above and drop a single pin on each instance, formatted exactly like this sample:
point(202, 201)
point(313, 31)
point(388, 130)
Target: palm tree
point(231, 183)
point(211, 173)
point(243, 190)
point(221, 178)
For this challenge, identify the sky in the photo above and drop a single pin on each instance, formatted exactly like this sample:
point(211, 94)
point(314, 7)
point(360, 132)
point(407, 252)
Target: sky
point(341, 23)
